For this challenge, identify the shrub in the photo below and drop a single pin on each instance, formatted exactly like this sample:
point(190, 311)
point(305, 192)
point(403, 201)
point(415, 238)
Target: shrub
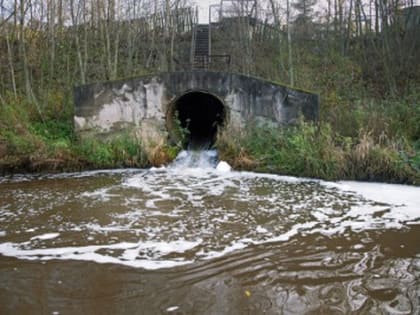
point(315, 150)
point(122, 151)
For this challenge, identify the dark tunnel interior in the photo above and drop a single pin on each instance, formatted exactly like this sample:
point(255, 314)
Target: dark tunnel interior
point(201, 114)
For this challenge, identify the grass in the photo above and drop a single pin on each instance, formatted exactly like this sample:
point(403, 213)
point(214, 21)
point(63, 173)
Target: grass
point(315, 150)
point(363, 134)
point(123, 151)
point(30, 144)
point(381, 145)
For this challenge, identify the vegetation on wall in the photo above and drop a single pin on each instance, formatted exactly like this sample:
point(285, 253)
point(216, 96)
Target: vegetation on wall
point(30, 144)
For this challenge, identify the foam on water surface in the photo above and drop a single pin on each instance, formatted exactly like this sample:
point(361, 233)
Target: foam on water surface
point(404, 199)
point(46, 236)
point(166, 217)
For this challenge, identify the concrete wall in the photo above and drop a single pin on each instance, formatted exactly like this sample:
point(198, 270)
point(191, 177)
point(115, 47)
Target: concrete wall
point(140, 105)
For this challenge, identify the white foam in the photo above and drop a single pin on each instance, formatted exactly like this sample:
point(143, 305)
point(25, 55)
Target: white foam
point(405, 199)
point(191, 198)
point(99, 193)
point(260, 229)
point(151, 251)
point(222, 166)
point(228, 249)
point(294, 230)
point(203, 159)
point(46, 236)
point(172, 308)
point(31, 177)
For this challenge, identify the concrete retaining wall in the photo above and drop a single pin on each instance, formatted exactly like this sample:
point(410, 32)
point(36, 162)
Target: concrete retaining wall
point(140, 105)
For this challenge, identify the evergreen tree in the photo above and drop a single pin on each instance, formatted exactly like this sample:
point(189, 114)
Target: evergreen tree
point(303, 22)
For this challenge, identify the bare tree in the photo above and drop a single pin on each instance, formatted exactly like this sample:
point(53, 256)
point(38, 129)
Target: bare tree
point(289, 45)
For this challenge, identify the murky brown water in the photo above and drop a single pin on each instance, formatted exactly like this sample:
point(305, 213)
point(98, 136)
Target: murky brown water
point(194, 241)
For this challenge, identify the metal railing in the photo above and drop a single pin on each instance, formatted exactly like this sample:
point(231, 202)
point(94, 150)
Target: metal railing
point(213, 62)
point(210, 62)
point(194, 36)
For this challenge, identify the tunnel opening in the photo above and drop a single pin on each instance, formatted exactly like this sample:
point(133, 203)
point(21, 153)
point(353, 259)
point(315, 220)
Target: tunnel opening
point(199, 115)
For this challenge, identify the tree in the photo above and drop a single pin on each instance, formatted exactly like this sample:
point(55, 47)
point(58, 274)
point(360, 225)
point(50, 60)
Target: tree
point(303, 21)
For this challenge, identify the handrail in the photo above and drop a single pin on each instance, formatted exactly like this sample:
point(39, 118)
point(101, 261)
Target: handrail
point(193, 37)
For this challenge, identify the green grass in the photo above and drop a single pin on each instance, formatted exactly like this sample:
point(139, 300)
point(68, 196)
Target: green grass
point(315, 150)
point(123, 151)
point(28, 143)
point(363, 133)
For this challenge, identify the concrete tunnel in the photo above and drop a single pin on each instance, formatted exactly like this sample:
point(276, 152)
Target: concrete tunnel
point(201, 114)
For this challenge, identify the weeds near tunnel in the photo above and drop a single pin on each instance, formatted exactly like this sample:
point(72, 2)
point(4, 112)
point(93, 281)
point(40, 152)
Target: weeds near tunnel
point(162, 154)
point(28, 143)
point(180, 134)
point(364, 140)
point(382, 146)
point(317, 151)
point(122, 151)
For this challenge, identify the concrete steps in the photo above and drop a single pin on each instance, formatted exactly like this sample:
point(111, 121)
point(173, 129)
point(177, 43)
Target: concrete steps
point(201, 50)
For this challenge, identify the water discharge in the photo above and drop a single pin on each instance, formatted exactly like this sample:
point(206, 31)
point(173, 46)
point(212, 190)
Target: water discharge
point(194, 238)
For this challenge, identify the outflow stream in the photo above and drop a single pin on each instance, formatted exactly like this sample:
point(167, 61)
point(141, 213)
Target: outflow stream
point(197, 238)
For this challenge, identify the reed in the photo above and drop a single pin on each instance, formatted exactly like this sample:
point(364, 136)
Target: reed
point(315, 150)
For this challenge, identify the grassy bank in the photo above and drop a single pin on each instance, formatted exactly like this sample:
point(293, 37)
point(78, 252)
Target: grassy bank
point(367, 79)
point(372, 141)
point(31, 144)
point(363, 134)
point(316, 151)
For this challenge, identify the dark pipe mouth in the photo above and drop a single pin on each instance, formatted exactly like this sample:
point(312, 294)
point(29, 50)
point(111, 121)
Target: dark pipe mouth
point(200, 115)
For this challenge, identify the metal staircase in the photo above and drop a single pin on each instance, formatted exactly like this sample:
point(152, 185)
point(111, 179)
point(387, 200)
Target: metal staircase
point(201, 48)
point(201, 57)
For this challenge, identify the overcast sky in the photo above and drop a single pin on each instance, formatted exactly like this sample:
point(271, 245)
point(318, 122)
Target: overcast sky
point(203, 7)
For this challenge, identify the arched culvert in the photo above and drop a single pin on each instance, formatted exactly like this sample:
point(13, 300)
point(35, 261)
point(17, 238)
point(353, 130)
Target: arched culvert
point(200, 115)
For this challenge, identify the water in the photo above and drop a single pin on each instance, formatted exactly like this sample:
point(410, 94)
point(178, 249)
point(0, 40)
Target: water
point(195, 239)
point(201, 159)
